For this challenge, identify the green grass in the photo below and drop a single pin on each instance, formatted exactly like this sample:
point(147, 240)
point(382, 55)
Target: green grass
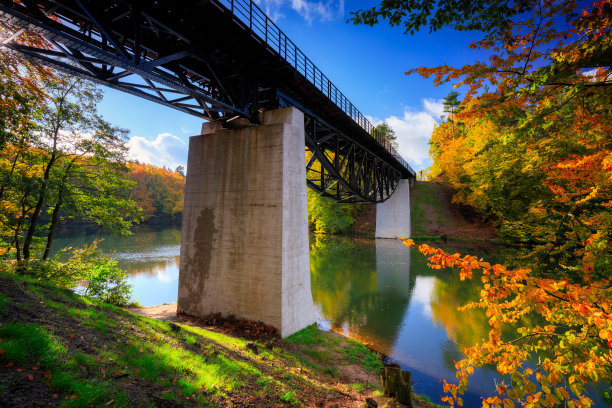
point(289, 397)
point(359, 387)
point(310, 336)
point(425, 399)
point(91, 352)
point(27, 345)
point(357, 353)
point(425, 195)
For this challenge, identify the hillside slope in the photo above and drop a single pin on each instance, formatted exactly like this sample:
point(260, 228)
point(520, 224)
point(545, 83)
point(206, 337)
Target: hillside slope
point(433, 214)
point(61, 349)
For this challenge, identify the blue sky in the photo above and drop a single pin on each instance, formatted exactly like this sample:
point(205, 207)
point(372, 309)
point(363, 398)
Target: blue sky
point(366, 63)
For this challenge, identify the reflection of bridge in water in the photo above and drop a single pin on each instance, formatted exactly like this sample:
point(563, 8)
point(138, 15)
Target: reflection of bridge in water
point(364, 290)
point(245, 244)
point(383, 294)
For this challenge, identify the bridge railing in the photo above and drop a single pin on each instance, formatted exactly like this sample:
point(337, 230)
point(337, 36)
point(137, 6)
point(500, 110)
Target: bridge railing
point(249, 14)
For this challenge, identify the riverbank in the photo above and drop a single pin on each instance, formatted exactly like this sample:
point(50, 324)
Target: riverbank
point(61, 349)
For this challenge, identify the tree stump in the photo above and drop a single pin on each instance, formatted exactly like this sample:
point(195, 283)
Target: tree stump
point(397, 384)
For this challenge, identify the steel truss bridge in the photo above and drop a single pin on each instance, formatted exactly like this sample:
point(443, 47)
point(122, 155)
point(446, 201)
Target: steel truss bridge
point(220, 60)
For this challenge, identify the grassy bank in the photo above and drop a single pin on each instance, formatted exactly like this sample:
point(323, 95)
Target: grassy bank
point(61, 349)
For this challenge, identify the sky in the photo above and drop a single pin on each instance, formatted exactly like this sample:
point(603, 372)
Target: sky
point(367, 64)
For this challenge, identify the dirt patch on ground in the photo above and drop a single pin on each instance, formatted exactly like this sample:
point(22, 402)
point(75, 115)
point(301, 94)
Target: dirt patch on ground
point(165, 312)
point(365, 223)
point(434, 214)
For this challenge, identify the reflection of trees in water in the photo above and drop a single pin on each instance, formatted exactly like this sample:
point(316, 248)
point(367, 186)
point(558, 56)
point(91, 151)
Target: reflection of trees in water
point(467, 327)
point(151, 267)
point(143, 240)
point(470, 326)
point(357, 283)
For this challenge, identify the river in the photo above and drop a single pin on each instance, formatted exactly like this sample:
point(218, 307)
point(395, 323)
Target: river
point(377, 291)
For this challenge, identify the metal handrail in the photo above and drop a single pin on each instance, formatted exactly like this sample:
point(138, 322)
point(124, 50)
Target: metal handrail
point(255, 20)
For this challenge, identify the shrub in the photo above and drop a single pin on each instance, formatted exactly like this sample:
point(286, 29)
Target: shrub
point(87, 271)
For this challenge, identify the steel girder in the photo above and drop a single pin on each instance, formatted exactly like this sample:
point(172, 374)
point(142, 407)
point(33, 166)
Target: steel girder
point(120, 45)
point(339, 167)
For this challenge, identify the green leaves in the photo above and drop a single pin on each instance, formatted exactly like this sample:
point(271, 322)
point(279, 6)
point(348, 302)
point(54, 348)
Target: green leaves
point(480, 15)
point(327, 216)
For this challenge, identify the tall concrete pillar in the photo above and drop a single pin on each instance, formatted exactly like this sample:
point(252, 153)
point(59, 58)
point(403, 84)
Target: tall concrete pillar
point(393, 215)
point(244, 248)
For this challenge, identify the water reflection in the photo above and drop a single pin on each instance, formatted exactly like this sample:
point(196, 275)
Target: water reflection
point(150, 257)
point(384, 294)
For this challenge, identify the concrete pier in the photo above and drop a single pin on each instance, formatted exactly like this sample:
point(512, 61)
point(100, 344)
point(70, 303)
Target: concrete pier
point(393, 215)
point(244, 248)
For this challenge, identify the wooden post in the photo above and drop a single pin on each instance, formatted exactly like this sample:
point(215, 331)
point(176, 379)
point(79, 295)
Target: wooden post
point(397, 384)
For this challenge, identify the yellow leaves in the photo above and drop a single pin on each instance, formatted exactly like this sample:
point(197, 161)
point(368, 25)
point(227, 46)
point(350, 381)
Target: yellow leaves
point(508, 403)
point(576, 354)
point(606, 335)
point(562, 393)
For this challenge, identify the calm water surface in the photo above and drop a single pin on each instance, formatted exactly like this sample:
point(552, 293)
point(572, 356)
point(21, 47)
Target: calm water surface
point(377, 291)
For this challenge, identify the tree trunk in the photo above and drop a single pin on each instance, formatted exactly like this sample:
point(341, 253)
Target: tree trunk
point(58, 206)
point(18, 228)
point(397, 384)
point(14, 164)
point(34, 219)
point(54, 219)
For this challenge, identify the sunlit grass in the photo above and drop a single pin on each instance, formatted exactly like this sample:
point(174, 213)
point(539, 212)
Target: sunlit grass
point(91, 350)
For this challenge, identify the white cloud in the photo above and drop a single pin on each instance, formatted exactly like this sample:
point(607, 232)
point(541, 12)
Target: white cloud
point(165, 151)
point(413, 130)
point(436, 108)
point(322, 10)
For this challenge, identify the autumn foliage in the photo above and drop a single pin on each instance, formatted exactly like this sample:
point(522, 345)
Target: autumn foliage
point(572, 347)
point(158, 191)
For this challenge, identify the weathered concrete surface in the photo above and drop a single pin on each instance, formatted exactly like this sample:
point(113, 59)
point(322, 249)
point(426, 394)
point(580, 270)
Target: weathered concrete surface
point(244, 248)
point(393, 215)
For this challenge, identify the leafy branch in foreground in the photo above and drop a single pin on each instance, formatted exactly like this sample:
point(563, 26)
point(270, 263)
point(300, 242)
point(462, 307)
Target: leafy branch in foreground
point(573, 347)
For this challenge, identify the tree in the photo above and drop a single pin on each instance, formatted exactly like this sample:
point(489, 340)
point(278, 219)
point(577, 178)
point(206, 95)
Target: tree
point(536, 154)
point(572, 346)
point(20, 89)
point(71, 166)
point(386, 133)
point(327, 216)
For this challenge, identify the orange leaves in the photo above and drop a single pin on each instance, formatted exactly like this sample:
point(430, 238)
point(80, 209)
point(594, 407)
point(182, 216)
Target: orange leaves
point(408, 242)
point(581, 308)
point(575, 344)
point(158, 191)
point(606, 334)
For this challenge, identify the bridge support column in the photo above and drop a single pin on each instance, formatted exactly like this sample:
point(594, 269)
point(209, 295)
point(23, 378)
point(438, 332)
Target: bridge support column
point(393, 215)
point(244, 248)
